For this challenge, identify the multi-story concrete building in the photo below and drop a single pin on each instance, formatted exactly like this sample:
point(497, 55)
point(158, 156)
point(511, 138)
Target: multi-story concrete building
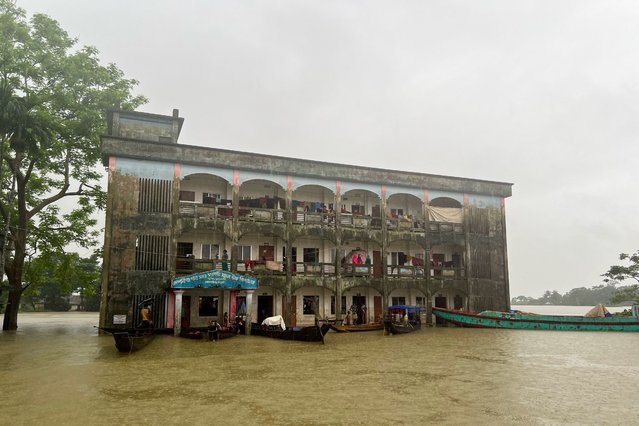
point(319, 238)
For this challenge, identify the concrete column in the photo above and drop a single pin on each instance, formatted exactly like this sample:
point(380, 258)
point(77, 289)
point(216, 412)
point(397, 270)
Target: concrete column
point(249, 310)
point(286, 308)
point(235, 221)
point(427, 278)
point(468, 264)
point(339, 251)
point(385, 285)
point(178, 312)
point(225, 302)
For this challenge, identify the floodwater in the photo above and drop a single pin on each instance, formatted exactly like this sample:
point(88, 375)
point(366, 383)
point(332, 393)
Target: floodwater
point(56, 369)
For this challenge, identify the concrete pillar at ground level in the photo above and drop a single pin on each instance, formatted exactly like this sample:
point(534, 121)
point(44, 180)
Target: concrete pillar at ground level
point(249, 310)
point(178, 312)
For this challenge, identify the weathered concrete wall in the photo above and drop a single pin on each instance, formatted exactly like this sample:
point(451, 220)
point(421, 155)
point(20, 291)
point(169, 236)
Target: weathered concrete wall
point(488, 271)
point(126, 224)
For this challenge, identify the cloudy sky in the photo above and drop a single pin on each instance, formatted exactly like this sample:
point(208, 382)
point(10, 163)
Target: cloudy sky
point(542, 94)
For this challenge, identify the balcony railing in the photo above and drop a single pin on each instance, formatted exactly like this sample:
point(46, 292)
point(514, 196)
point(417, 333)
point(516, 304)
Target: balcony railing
point(225, 212)
point(187, 265)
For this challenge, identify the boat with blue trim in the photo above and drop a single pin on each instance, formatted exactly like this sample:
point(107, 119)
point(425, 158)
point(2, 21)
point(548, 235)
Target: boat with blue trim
point(531, 321)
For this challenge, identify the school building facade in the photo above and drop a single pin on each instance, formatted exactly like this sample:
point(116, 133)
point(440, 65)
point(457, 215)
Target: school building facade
point(318, 238)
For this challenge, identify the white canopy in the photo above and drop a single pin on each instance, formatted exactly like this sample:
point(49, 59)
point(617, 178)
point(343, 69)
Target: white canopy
point(276, 320)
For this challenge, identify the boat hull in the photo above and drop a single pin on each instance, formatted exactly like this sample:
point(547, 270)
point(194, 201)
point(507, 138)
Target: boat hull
point(357, 327)
point(131, 341)
point(313, 333)
point(391, 327)
point(490, 319)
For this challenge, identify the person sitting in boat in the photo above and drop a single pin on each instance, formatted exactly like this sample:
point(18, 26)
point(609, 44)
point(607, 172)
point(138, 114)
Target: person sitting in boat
point(145, 314)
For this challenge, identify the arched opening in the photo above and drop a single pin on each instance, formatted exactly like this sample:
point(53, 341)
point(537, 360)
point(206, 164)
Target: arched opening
point(261, 200)
point(445, 209)
point(360, 208)
point(313, 204)
point(405, 211)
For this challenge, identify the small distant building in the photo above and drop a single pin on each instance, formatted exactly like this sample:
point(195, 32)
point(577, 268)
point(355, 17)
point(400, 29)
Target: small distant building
point(316, 239)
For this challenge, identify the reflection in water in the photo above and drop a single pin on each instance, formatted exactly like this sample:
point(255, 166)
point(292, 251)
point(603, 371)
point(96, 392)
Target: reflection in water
point(56, 369)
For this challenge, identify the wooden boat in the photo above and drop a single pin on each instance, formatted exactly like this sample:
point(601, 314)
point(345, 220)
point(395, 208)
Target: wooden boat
point(127, 341)
point(222, 332)
point(312, 333)
point(519, 320)
point(402, 319)
point(357, 327)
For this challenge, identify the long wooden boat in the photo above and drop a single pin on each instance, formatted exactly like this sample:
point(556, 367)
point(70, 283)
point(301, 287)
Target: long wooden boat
point(515, 320)
point(128, 341)
point(312, 333)
point(357, 327)
point(402, 319)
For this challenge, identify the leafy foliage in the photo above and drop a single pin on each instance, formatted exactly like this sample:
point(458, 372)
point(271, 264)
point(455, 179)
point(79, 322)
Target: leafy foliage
point(53, 101)
point(620, 273)
point(51, 279)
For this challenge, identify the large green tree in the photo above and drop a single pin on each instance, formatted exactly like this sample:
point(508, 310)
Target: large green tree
point(53, 98)
point(52, 278)
point(621, 273)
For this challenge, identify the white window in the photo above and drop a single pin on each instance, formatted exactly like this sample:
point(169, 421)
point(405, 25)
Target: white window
point(243, 253)
point(398, 300)
point(397, 212)
point(311, 254)
point(210, 251)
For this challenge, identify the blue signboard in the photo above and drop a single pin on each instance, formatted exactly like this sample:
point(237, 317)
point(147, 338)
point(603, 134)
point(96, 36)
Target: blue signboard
point(215, 279)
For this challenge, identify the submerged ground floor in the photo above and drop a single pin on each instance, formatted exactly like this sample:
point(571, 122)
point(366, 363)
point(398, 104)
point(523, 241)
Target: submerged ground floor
point(192, 308)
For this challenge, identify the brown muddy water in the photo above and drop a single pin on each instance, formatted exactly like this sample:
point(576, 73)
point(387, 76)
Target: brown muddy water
point(56, 369)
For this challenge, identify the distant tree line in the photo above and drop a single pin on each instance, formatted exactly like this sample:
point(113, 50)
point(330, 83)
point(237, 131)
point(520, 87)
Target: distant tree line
point(610, 292)
point(581, 296)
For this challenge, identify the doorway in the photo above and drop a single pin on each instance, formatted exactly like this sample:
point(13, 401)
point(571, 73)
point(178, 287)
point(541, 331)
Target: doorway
point(359, 304)
point(264, 308)
point(185, 317)
point(267, 253)
point(377, 311)
point(440, 302)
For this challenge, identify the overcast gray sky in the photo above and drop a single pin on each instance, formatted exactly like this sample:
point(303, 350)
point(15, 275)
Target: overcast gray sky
point(543, 94)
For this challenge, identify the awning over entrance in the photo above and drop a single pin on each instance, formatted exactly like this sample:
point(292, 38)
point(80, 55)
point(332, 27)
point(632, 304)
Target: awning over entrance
point(215, 279)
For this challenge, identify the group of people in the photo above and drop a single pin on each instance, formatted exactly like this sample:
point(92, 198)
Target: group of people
point(355, 315)
point(357, 259)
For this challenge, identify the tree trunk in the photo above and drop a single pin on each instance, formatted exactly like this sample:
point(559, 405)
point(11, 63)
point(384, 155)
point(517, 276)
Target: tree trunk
point(13, 269)
point(11, 312)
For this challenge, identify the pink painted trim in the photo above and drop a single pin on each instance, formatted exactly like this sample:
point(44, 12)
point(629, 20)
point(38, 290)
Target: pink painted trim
point(425, 197)
point(177, 169)
point(170, 311)
point(111, 164)
point(338, 187)
point(465, 199)
point(236, 177)
point(289, 182)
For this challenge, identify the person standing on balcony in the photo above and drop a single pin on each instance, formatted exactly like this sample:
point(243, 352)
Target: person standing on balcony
point(225, 260)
